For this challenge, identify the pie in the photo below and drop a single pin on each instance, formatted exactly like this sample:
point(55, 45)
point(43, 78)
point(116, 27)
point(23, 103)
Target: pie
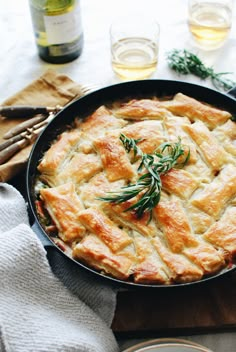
point(192, 231)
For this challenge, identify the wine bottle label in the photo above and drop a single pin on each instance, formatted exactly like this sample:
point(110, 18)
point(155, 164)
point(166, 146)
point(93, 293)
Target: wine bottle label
point(64, 49)
point(63, 28)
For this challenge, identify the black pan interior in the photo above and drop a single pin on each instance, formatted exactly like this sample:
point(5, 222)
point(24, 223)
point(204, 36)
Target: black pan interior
point(119, 92)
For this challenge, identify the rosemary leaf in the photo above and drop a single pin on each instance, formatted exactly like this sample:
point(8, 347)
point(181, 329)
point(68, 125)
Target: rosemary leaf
point(185, 62)
point(148, 186)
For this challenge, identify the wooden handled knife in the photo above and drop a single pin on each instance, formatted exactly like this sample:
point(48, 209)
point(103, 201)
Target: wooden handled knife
point(26, 111)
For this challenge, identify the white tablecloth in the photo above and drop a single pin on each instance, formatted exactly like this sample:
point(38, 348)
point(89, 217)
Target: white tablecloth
point(20, 63)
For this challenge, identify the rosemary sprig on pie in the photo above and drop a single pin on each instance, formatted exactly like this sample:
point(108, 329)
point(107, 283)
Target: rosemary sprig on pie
point(148, 186)
point(185, 62)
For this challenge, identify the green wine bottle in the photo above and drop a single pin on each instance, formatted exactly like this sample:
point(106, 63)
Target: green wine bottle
point(58, 29)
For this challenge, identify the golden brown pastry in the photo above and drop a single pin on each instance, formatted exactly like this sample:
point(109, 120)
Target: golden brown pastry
point(129, 218)
point(108, 231)
point(179, 182)
point(80, 168)
point(200, 171)
point(191, 232)
point(182, 269)
point(149, 268)
point(210, 149)
point(226, 134)
point(173, 221)
point(98, 186)
point(141, 110)
point(63, 205)
point(174, 128)
point(223, 233)
point(53, 159)
point(150, 132)
point(195, 110)
point(215, 196)
point(101, 121)
point(199, 220)
point(114, 158)
point(206, 256)
point(95, 253)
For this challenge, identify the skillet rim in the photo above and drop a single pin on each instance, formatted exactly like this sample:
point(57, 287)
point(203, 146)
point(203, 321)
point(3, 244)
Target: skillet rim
point(149, 88)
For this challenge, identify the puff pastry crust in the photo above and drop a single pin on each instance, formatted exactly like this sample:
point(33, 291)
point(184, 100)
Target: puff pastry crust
point(176, 229)
point(150, 132)
point(80, 168)
point(63, 205)
point(130, 219)
point(149, 268)
point(223, 232)
point(141, 110)
point(55, 156)
point(98, 223)
point(214, 197)
point(197, 111)
point(114, 158)
point(179, 182)
point(213, 153)
point(192, 232)
point(94, 252)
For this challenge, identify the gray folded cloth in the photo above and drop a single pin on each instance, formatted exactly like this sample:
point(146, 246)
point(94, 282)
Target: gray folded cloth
point(47, 307)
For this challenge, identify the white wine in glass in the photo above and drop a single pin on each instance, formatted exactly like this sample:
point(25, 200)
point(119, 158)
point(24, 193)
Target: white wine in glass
point(210, 22)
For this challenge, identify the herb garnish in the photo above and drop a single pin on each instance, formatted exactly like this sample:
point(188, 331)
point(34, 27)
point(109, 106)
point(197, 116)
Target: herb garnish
point(184, 62)
point(149, 184)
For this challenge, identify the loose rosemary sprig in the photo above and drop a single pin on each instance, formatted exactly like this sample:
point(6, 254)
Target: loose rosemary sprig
point(149, 184)
point(185, 62)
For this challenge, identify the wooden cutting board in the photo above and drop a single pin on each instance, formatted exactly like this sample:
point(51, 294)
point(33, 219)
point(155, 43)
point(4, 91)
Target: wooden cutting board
point(200, 307)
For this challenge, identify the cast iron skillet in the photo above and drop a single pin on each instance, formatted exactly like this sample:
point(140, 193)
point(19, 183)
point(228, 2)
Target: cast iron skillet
point(85, 106)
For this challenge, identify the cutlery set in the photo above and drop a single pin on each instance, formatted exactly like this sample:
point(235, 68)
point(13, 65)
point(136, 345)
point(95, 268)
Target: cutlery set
point(26, 132)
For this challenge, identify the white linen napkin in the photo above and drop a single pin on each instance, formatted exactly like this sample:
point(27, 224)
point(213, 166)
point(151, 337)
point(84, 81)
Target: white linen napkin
point(44, 307)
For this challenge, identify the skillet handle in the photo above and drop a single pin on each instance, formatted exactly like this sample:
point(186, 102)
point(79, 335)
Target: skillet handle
point(232, 92)
point(45, 241)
